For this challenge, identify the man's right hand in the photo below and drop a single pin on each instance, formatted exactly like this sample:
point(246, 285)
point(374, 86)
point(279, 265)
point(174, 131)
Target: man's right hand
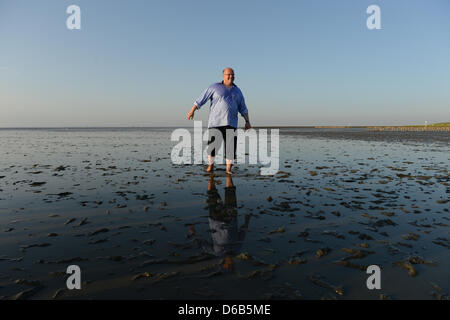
point(190, 115)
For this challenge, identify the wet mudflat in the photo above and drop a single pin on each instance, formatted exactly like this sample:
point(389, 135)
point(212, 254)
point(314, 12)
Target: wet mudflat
point(111, 202)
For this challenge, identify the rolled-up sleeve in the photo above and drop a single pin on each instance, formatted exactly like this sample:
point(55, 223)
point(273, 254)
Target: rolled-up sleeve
point(242, 107)
point(205, 96)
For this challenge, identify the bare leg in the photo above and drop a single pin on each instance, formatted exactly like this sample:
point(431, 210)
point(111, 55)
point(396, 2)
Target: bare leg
point(229, 168)
point(229, 165)
point(211, 164)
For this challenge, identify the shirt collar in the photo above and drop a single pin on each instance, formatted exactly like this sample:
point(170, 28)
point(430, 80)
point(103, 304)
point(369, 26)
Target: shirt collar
point(233, 85)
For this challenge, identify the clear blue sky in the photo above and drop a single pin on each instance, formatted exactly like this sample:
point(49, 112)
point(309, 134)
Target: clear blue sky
point(143, 63)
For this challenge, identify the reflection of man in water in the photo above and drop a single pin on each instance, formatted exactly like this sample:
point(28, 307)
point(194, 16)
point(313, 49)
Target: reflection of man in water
point(227, 239)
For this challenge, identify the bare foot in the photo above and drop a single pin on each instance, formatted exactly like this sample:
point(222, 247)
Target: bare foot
point(228, 171)
point(210, 168)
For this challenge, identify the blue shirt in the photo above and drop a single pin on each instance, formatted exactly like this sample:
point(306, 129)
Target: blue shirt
point(225, 104)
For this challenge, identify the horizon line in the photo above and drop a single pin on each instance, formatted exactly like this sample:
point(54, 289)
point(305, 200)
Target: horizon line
point(259, 126)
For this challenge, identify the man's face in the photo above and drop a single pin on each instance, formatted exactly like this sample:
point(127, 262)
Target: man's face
point(228, 76)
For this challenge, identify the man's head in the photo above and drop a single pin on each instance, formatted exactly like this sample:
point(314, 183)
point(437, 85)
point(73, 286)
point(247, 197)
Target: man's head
point(228, 76)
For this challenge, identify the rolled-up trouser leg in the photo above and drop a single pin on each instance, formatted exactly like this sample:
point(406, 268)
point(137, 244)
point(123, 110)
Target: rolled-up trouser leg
point(214, 142)
point(230, 144)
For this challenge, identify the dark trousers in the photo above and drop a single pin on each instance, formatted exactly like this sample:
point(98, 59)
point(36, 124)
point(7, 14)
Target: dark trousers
point(230, 144)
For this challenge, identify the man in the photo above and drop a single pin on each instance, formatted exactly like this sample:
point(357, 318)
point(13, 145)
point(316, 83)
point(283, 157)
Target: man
point(226, 101)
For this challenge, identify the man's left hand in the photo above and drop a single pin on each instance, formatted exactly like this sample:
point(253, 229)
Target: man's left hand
point(247, 126)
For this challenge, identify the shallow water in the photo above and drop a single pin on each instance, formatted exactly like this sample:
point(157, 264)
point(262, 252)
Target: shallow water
point(144, 228)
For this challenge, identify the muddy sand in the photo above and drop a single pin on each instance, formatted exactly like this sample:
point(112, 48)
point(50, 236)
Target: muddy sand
point(140, 227)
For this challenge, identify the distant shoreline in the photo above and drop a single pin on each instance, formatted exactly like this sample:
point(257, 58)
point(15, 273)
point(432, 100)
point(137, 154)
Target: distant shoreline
point(431, 127)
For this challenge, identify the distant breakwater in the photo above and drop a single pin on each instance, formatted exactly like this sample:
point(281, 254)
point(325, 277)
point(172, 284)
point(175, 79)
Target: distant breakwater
point(409, 128)
point(419, 128)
